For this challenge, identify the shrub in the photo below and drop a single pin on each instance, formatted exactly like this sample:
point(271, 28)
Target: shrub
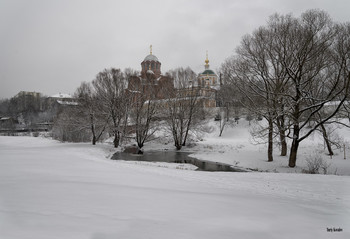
point(315, 163)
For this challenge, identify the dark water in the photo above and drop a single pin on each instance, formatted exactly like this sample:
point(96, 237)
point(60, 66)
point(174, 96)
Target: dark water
point(176, 157)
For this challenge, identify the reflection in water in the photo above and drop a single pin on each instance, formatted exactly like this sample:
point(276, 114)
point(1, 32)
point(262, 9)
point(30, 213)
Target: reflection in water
point(177, 157)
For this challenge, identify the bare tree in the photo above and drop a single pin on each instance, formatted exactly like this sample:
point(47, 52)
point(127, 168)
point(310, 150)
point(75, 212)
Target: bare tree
point(260, 78)
point(340, 69)
point(144, 107)
point(110, 86)
point(129, 72)
point(72, 125)
point(227, 97)
point(310, 59)
point(184, 106)
point(222, 121)
point(88, 112)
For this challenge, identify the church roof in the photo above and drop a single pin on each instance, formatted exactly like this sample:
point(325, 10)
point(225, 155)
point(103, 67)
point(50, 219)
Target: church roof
point(151, 57)
point(208, 72)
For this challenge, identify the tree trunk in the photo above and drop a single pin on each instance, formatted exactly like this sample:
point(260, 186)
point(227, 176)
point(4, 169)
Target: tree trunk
point(116, 139)
point(222, 124)
point(140, 145)
point(326, 139)
point(293, 153)
point(227, 113)
point(184, 142)
point(270, 142)
point(178, 146)
point(188, 125)
point(282, 134)
point(93, 129)
point(177, 141)
point(283, 145)
point(294, 147)
point(186, 133)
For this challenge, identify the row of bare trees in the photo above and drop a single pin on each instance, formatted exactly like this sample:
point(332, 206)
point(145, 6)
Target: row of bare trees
point(108, 106)
point(288, 71)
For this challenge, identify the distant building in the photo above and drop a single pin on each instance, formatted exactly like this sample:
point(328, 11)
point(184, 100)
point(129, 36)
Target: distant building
point(7, 123)
point(58, 100)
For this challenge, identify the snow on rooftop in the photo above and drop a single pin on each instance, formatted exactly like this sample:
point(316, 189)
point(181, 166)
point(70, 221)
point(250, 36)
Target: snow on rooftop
point(62, 95)
point(67, 102)
point(4, 118)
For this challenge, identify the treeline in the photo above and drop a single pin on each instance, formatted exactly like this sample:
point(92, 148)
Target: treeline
point(289, 72)
point(27, 112)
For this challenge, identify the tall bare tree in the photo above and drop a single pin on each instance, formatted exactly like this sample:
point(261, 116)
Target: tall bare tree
point(261, 79)
point(310, 57)
point(340, 68)
point(88, 112)
point(184, 106)
point(144, 108)
point(110, 86)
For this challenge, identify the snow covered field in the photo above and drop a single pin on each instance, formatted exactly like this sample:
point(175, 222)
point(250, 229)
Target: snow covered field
point(63, 190)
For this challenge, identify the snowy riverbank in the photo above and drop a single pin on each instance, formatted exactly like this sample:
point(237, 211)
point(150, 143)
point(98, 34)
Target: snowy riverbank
point(237, 147)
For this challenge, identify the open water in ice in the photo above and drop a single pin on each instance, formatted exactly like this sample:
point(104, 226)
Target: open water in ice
point(177, 157)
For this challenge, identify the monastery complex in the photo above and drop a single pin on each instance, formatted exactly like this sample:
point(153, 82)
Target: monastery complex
point(152, 84)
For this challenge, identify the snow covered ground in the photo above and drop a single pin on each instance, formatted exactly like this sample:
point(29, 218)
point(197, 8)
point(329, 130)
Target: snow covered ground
point(64, 190)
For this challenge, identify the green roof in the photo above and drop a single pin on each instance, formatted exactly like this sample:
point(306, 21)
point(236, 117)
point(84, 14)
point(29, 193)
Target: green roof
point(208, 72)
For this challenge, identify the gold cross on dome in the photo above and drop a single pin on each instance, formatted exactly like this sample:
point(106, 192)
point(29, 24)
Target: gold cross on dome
point(150, 47)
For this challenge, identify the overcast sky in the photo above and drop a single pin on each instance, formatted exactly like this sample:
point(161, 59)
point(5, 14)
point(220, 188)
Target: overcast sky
point(52, 46)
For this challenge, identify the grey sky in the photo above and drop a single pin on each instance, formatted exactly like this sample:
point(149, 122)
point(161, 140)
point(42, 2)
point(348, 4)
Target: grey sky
point(52, 46)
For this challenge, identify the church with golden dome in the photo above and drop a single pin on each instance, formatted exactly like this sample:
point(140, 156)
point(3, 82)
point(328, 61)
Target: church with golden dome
point(151, 84)
point(208, 78)
point(152, 63)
